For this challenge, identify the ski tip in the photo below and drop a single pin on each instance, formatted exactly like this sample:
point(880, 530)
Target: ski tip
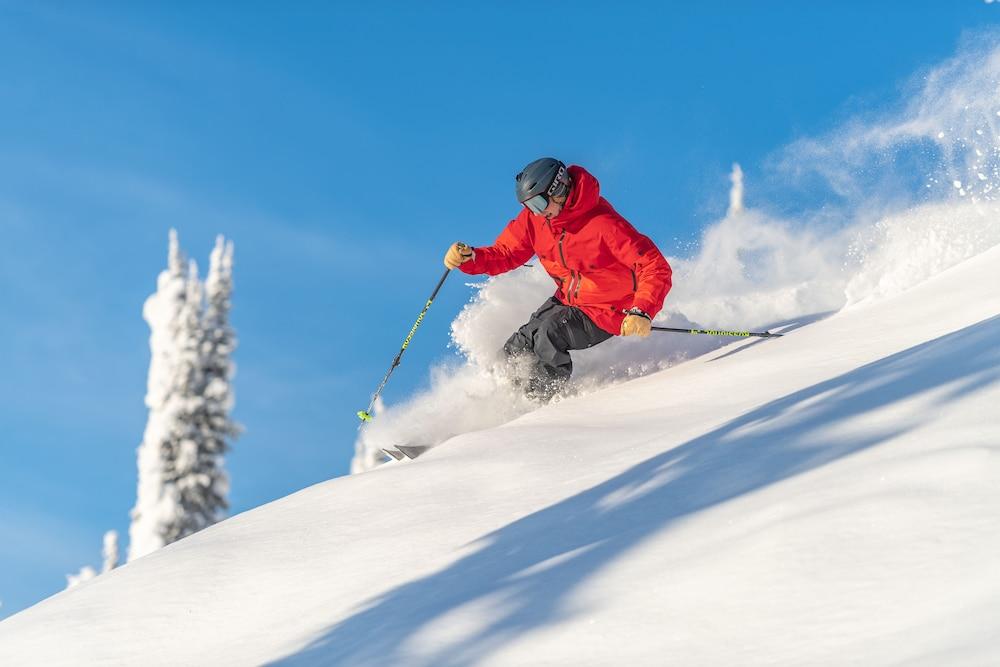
point(393, 454)
point(412, 451)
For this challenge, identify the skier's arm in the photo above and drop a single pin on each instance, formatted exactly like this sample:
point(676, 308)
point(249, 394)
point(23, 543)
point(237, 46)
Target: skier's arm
point(511, 249)
point(653, 275)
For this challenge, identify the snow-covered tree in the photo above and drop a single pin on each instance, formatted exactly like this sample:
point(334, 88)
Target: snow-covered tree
point(203, 426)
point(156, 500)
point(218, 343)
point(86, 573)
point(110, 551)
point(183, 468)
point(182, 483)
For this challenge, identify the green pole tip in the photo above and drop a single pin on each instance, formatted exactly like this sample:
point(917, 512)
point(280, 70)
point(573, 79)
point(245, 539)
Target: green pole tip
point(364, 416)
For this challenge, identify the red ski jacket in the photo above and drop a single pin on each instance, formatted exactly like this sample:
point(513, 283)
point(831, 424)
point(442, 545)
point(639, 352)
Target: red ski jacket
point(600, 263)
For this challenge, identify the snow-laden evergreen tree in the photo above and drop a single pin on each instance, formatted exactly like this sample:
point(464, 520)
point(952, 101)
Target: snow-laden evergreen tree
point(181, 464)
point(218, 341)
point(156, 500)
point(110, 551)
point(86, 573)
point(203, 426)
point(182, 485)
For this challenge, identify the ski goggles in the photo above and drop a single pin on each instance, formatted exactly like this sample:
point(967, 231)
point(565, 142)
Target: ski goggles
point(536, 204)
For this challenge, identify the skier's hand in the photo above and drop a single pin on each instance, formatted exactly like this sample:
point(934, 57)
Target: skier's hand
point(636, 324)
point(458, 254)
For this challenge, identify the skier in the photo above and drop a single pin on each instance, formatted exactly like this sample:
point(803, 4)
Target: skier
point(611, 279)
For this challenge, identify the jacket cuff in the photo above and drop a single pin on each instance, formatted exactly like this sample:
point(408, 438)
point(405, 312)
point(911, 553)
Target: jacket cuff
point(646, 308)
point(471, 267)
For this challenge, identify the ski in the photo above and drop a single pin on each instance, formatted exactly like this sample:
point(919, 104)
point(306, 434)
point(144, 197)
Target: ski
point(393, 454)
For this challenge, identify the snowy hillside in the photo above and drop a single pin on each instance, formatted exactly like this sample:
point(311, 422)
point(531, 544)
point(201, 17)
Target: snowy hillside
point(829, 497)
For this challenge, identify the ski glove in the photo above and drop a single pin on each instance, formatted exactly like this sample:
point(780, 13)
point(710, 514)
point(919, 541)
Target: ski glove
point(636, 323)
point(457, 254)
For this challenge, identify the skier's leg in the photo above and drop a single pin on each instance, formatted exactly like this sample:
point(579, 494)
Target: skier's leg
point(565, 329)
point(522, 341)
point(546, 339)
point(524, 368)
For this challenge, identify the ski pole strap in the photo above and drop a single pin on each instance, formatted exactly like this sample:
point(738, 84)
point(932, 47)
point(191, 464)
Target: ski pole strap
point(639, 312)
point(714, 332)
point(366, 415)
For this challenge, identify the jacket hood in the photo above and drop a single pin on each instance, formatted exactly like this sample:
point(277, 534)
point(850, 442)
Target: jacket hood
point(584, 196)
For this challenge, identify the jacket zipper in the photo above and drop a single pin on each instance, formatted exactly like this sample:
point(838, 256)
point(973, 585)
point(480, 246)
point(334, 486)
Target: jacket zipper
point(635, 282)
point(572, 274)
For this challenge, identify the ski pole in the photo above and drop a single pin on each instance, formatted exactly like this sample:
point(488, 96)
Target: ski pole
point(713, 332)
point(366, 415)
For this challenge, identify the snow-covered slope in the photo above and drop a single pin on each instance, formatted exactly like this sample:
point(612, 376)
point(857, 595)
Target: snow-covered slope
point(829, 497)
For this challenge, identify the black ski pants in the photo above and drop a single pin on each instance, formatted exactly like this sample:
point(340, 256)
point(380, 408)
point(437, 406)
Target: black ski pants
point(546, 339)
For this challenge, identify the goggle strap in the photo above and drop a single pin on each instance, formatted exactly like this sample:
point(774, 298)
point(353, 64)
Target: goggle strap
point(559, 184)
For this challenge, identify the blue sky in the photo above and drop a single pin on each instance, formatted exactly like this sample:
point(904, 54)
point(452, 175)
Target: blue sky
point(342, 148)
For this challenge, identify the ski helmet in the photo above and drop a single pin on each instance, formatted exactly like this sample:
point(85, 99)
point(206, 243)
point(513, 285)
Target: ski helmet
point(541, 179)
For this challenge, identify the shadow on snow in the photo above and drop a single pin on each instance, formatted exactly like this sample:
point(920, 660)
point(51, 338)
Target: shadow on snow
point(783, 327)
point(530, 567)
